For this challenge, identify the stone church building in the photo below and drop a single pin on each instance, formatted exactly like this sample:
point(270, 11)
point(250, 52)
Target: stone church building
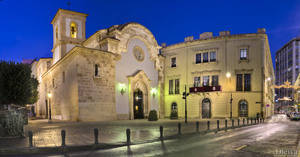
point(114, 74)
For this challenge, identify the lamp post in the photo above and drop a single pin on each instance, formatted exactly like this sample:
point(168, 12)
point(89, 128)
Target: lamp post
point(228, 75)
point(184, 96)
point(49, 97)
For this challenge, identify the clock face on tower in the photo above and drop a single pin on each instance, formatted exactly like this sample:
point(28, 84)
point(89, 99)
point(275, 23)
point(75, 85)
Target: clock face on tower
point(138, 53)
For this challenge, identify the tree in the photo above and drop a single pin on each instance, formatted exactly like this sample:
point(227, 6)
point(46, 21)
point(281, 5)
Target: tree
point(17, 86)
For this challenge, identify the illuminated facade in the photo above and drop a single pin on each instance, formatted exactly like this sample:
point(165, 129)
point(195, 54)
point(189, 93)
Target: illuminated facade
point(114, 74)
point(216, 68)
point(118, 73)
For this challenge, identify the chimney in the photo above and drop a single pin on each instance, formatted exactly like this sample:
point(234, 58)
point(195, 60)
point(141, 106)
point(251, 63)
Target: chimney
point(189, 38)
point(206, 35)
point(163, 45)
point(261, 30)
point(224, 33)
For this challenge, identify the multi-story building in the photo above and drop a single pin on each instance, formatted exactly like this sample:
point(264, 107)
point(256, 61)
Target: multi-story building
point(287, 64)
point(216, 69)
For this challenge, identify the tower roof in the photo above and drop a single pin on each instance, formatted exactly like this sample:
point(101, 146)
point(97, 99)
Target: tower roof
point(68, 12)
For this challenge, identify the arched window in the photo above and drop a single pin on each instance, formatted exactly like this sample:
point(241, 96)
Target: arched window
point(174, 107)
point(73, 30)
point(243, 108)
point(56, 33)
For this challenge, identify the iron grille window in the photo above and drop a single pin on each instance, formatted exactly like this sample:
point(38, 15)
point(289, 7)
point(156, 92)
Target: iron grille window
point(212, 56)
point(197, 81)
point(177, 86)
point(215, 80)
point(198, 58)
point(171, 87)
point(205, 57)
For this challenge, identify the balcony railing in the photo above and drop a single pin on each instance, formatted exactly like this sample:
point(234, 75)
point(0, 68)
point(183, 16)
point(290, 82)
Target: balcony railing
point(205, 89)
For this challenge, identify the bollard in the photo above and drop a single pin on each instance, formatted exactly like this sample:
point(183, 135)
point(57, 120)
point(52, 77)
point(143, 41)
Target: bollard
point(63, 138)
point(128, 136)
point(247, 121)
point(161, 130)
point(254, 120)
point(179, 129)
point(238, 122)
point(251, 120)
point(225, 124)
point(197, 126)
point(243, 121)
point(96, 133)
point(208, 124)
point(232, 122)
point(263, 120)
point(218, 125)
point(30, 134)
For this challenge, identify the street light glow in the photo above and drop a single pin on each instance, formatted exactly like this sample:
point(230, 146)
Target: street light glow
point(49, 95)
point(228, 75)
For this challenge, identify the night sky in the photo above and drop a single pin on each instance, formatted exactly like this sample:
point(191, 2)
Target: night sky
point(26, 32)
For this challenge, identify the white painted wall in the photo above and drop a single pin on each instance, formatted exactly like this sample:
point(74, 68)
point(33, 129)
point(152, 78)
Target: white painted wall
point(128, 66)
point(56, 54)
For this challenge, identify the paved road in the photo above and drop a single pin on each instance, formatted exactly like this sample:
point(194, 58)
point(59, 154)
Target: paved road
point(279, 137)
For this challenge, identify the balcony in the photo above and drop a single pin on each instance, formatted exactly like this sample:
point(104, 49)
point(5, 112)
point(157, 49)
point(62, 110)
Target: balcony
point(205, 89)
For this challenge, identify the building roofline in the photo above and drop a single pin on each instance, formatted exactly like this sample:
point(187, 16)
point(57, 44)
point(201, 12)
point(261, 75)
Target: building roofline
point(67, 11)
point(285, 45)
point(212, 38)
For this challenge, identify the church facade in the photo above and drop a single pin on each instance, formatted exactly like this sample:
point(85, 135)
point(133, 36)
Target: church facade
point(114, 74)
point(122, 73)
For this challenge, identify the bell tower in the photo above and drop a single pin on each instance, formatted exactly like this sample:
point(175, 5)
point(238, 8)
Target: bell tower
point(68, 31)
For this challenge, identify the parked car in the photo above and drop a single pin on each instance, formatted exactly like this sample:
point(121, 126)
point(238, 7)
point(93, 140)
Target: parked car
point(295, 116)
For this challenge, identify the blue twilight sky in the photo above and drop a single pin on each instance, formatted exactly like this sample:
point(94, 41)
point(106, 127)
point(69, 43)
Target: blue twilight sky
point(26, 32)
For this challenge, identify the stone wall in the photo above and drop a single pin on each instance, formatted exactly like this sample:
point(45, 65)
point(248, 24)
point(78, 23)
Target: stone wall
point(12, 122)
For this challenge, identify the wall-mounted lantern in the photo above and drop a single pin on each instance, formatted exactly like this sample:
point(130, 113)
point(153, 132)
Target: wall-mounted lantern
point(153, 92)
point(122, 88)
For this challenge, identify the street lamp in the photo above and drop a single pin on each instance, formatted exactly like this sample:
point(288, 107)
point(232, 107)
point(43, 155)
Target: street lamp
point(228, 75)
point(49, 97)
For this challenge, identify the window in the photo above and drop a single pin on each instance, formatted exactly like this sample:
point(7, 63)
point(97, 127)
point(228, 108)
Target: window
point(73, 30)
point(205, 57)
point(171, 87)
point(48, 64)
point(96, 70)
point(174, 107)
point(243, 108)
point(173, 62)
point(63, 77)
point(243, 82)
point(198, 58)
point(239, 82)
point(56, 33)
point(53, 85)
point(243, 54)
point(196, 81)
point(212, 56)
point(205, 80)
point(177, 86)
point(247, 82)
point(215, 80)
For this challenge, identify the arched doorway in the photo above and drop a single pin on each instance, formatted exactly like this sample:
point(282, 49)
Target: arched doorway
point(138, 104)
point(206, 108)
point(243, 108)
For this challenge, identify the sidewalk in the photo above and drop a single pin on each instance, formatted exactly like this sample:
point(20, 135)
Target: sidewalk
point(82, 133)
